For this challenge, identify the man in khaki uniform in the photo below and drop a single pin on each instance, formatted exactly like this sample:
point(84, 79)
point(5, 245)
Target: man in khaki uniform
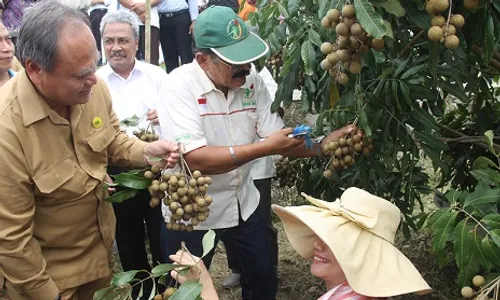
point(58, 133)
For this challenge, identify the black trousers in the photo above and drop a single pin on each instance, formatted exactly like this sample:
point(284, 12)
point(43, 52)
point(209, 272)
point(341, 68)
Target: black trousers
point(264, 187)
point(155, 44)
point(175, 40)
point(134, 219)
point(259, 279)
point(95, 22)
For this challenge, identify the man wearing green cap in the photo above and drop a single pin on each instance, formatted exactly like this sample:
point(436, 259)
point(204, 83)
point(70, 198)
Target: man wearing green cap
point(214, 107)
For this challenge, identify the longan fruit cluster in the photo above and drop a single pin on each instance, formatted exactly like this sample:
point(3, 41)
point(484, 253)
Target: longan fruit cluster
point(146, 135)
point(352, 40)
point(343, 151)
point(443, 30)
point(275, 61)
point(287, 172)
point(185, 196)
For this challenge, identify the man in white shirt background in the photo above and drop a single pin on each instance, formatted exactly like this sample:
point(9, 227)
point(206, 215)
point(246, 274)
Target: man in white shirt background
point(215, 108)
point(177, 18)
point(138, 7)
point(135, 89)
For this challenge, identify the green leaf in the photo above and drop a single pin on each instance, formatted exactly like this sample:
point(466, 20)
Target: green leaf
point(489, 138)
point(393, 7)
point(417, 16)
point(109, 293)
point(495, 236)
point(315, 38)
point(153, 289)
point(165, 268)
point(283, 10)
point(412, 71)
point(323, 8)
point(483, 163)
point(433, 60)
point(293, 7)
point(491, 250)
point(430, 140)
point(455, 90)
point(369, 19)
point(189, 290)
point(424, 117)
point(478, 249)
point(308, 57)
point(443, 230)
point(131, 181)
point(388, 30)
point(489, 176)
point(208, 242)
point(130, 122)
point(406, 92)
point(469, 270)
point(492, 221)
point(137, 171)
point(121, 196)
point(488, 39)
point(123, 278)
point(482, 196)
point(462, 243)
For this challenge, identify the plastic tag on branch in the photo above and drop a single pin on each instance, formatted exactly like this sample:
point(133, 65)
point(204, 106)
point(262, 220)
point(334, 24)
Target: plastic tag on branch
point(305, 132)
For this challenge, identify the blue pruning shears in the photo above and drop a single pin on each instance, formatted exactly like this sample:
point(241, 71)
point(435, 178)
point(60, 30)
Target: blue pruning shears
point(303, 131)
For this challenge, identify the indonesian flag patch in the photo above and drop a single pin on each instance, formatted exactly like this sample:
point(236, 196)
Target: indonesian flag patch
point(202, 104)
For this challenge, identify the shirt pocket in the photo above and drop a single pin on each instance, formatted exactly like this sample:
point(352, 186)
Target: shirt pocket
point(54, 181)
point(100, 140)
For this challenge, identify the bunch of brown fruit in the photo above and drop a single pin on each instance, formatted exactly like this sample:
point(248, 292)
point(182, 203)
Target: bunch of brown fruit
point(443, 29)
point(343, 151)
point(275, 61)
point(166, 294)
point(185, 196)
point(481, 290)
point(352, 40)
point(146, 135)
point(287, 172)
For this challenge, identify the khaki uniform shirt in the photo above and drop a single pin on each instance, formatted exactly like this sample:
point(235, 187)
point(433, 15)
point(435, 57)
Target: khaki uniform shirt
point(56, 232)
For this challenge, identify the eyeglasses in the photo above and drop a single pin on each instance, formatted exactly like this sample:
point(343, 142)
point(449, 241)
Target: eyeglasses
point(230, 66)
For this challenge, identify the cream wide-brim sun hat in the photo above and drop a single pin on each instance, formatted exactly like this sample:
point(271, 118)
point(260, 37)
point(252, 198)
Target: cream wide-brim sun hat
point(360, 229)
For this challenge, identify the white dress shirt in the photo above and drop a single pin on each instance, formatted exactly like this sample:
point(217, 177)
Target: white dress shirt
point(166, 6)
point(193, 112)
point(264, 168)
point(136, 94)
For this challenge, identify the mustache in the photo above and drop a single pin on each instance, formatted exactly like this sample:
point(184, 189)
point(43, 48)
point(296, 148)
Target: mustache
point(117, 54)
point(241, 73)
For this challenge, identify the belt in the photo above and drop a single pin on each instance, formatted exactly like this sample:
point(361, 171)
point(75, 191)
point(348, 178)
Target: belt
point(174, 14)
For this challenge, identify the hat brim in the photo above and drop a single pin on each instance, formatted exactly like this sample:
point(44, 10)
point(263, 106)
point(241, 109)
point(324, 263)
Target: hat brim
point(373, 267)
point(245, 51)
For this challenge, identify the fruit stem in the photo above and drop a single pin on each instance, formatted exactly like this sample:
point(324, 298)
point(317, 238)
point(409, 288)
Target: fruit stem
point(449, 18)
point(474, 219)
point(486, 290)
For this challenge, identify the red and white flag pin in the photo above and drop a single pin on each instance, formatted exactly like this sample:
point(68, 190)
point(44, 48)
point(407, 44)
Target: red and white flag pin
point(202, 104)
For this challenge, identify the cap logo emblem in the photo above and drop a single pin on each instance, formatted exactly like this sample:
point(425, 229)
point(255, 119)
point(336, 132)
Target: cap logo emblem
point(234, 29)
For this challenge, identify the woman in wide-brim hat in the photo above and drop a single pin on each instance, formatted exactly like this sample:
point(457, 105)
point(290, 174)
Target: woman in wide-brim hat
point(351, 243)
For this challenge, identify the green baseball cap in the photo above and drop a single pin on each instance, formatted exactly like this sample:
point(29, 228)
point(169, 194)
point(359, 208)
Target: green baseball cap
point(220, 29)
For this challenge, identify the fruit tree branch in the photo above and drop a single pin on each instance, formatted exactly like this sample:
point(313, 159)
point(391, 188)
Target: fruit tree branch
point(493, 63)
point(408, 47)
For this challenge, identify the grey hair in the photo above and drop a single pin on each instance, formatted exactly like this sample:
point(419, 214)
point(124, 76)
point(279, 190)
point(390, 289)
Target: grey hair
point(121, 16)
point(39, 32)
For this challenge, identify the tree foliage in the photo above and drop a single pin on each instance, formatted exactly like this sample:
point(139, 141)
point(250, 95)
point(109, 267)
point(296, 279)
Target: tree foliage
point(416, 98)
